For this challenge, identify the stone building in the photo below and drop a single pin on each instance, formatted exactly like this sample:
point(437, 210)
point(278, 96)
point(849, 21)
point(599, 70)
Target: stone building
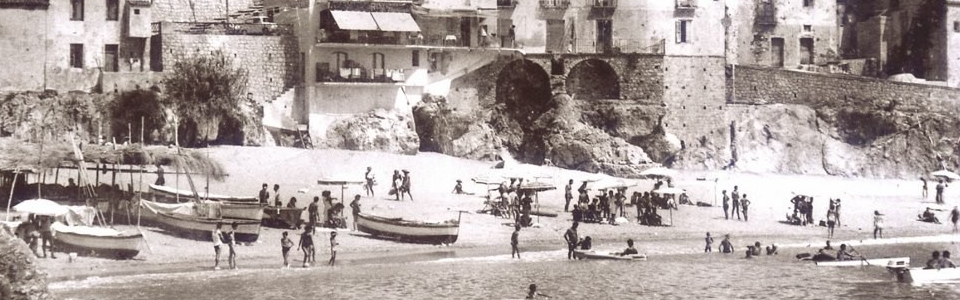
point(784, 33)
point(889, 34)
point(72, 44)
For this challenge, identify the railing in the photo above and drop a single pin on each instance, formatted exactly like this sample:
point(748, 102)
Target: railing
point(227, 28)
point(507, 3)
point(604, 3)
point(686, 4)
point(362, 75)
point(554, 3)
point(433, 40)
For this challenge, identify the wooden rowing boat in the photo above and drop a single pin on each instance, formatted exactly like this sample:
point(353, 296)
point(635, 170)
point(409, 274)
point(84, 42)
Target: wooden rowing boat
point(189, 221)
point(166, 194)
point(590, 254)
point(97, 240)
point(921, 276)
point(880, 262)
point(409, 231)
point(285, 217)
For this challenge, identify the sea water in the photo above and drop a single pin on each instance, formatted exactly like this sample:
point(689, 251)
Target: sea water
point(689, 276)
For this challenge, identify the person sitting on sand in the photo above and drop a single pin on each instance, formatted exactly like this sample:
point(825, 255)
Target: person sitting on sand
point(756, 249)
point(945, 261)
point(577, 213)
point(823, 256)
point(630, 249)
point(772, 249)
point(934, 261)
point(928, 216)
point(843, 254)
point(592, 213)
point(458, 188)
point(586, 243)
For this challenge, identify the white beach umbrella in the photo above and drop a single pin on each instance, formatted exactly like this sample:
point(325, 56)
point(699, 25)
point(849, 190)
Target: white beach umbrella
point(658, 172)
point(670, 191)
point(946, 175)
point(41, 207)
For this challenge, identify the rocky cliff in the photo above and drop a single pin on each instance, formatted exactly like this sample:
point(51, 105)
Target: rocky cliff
point(19, 277)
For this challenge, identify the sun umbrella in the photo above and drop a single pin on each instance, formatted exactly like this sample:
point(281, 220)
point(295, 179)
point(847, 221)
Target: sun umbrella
point(41, 207)
point(658, 172)
point(343, 183)
point(488, 179)
point(946, 174)
point(537, 187)
point(611, 184)
point(670, 191)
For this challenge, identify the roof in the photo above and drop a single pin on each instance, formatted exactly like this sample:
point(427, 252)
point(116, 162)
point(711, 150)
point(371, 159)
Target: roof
point(402, 22)
point(354, 20)
point(28, 3)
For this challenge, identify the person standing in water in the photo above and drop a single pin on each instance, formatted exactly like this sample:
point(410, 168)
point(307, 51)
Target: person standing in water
point(877, 224)
point(306, 244)
point(285, 245)
point(333, 248)
point(725, 246)
point(515, 241)
point(572, 239)
point(709, 241)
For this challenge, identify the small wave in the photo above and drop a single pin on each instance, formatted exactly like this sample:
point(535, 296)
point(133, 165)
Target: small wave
point(537, 256)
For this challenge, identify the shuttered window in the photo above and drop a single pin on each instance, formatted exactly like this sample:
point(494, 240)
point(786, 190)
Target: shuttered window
point(683, 32)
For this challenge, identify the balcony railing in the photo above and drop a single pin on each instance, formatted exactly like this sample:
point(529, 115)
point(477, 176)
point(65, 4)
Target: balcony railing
point(507, 3)
point(362, 75)
point(428, 40)
point(554, 4)
point(604, 3)
point(686, 4)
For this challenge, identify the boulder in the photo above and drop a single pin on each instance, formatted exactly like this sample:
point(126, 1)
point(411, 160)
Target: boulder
point(19, 277)
point(450, 132)
point(380, 130)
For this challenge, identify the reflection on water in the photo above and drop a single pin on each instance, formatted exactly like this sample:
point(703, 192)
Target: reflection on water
point(496, 277)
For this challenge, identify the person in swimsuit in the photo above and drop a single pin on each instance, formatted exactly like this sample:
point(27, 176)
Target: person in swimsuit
point(567, 195)
point(217, 238)
point(572, 239)
point(333, 248)
point(355, 208)
point(945, 261)
point(630, 249)
point(515, 241)
point(306, 244)
point(285, 245)
point(709, 241)
point(934, 261)
point(276, 196)
point(843, 254)
point(264, 195)
point(725, 246)
point(370, 181)
point(232, 243)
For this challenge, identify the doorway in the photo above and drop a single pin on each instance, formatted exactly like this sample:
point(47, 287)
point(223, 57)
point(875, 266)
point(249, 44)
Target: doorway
point(806, 51)
point(776, 52)
point(555, 36)
point(466, 32)
point(604, 36)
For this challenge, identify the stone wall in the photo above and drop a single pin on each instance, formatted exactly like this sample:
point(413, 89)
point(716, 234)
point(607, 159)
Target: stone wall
point(194, 10)
point(271, 61)
point(759, 85)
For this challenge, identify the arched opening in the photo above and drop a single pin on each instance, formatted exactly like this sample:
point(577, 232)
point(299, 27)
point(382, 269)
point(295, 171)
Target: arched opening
point(593, 79)
point(524, 88)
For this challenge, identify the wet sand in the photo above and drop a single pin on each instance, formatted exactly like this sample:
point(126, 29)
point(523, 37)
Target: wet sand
point(434, 176)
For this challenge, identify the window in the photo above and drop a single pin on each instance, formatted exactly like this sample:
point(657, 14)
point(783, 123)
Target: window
point(956, 26)
point(113, 10)
point(136, 11)
point(683, 31)
point(76, 13)
point(416, 58)
point(807, 3)
point(341, 59)
point(76, 55)
point(807, 28)
point(111, 61)
point(378, 61)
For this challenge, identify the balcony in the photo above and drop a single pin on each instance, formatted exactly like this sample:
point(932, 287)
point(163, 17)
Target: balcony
point(362, 75)
point(604, 4)
point(686, 4)
point(766, 15)
point(554, 4)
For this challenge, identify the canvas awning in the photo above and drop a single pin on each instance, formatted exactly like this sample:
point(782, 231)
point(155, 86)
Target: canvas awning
point(354, 20)
point(401, 22)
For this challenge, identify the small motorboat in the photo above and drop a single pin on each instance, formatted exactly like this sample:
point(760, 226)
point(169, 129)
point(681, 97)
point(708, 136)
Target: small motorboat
point(590, 254)
point(892, 262)
point(919, 276)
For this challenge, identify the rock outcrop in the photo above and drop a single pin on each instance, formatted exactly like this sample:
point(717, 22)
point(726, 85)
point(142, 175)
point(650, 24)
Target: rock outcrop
point(447, 131)
point(380, 130)
point(19, 277)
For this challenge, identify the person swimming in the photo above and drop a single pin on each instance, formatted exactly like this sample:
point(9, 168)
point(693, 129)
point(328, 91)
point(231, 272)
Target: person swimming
point(630, 249)
point(934, 261)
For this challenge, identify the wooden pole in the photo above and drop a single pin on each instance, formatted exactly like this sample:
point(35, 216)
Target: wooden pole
point(130, 133)
point(13, 185)
point(40, 162)
point(56, 175)
point(142, 139)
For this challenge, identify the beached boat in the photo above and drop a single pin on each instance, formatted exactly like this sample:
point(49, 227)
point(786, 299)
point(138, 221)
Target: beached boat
point(284, 217)
point(880, 262)
point(920, 275)
point(98, 240)
point(590, 254)
point(166, 194)
point(196, 221)
point(409, 231)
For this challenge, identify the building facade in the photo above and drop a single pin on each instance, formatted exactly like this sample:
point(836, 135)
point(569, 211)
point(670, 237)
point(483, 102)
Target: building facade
point(73, 44)
point(785, 33)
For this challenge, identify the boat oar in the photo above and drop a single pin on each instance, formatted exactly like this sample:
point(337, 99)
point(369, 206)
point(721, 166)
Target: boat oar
point(864, 259)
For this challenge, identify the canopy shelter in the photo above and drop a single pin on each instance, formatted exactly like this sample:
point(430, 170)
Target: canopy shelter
point(41, 207)
point(396, 22)
point(354, 20)
point(944, 174)
point(670, 191)
point(536, 187)
point(343, 183)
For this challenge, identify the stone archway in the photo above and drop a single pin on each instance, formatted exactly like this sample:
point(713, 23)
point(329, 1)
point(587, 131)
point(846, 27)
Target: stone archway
point(523, 87)
point(593, 79)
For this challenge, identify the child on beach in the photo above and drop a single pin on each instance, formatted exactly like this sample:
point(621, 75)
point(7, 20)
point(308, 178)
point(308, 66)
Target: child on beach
point(285, 245)
point(232, 243)
point(333, 248)
point(709, 241)
point(877, 224)
point(217, 241)
point(306, 244)
point(514, 241)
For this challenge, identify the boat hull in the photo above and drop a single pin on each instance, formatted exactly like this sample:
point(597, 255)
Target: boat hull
point(283, 217)
point(200, 228)
point(123, 246)
point(164, 194)
point(880, 262)
point(234, 210)
point(409, 231)
point(589, 254)
point(920, 276)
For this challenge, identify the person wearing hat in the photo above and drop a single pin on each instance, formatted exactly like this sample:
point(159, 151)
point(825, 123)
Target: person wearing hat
point(877, 224)
point(405, 186)
point(458, 188)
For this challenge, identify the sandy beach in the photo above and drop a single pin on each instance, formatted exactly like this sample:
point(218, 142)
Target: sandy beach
point(434, 175)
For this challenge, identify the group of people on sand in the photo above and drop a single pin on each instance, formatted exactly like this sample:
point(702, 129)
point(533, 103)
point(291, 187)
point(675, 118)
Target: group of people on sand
point(308, 246)
point(740, 204)
point(609, 204)
point(36, 233)
point(940, 188)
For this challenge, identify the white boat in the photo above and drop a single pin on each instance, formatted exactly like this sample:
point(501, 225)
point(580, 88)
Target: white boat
point(892, 262)
point(409, 231)
point(921, 276)
point(98, 240)
point(590, 254)
point(166, 194)
point(196, 221)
